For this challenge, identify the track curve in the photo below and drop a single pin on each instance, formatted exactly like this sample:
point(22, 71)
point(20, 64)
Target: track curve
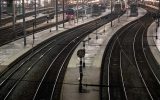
point(125, 68)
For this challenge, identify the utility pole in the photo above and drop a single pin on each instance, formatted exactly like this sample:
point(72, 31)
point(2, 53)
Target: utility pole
point(14, 15)
point(84, 64)
point(158, 12)
point(0, 12)
point(84, 50)
point(77, 11)
point(24, 22)
point(81, 75)
point(96, 31)
point(56, 12)
point(158, 20)
point(63, 13)
point(35, 13)
point(35, 18)
point(111, 13)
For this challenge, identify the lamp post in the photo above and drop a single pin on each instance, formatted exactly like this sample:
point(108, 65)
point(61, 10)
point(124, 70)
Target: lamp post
point(158, 18)
point(33, 32)
point(35, 13)
point(35, 17)
point(104, 30)
point(77, 11)
point(84, 65)
point(96, 31)
point(81, 75)
point(111, 12)
point(56, 13)
point(14, 17)
point(24, 22)
point(0, 12)
point(156, 29)
point(63, 12)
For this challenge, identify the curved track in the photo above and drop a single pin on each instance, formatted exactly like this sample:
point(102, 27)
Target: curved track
point(30, 13)
point(11, 35)
point(126, 69)
point(38, 75)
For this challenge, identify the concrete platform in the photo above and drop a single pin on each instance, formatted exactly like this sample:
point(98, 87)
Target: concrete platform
point(154, 45)
point(153, 42)
point(93, 58)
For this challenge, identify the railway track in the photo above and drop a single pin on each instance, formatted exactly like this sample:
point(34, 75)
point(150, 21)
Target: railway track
point(126, 69)
point(38, 74)
point(20, 16)
point(10, 35)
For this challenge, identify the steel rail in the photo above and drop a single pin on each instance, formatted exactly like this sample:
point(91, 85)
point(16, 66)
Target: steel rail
point(149, 65)
point(110, 55)
point(27, 71)
point(25, 74)
point(21, 65)
point(71, 31)
point(43, 79)
point(136, 33)
point(123, 51)
point(33, 66)
point(148, 60)
point(9, 19)
point(34, 98)
point(137, 66)
point(12, 36)
point(53, 90)
point(124, 88)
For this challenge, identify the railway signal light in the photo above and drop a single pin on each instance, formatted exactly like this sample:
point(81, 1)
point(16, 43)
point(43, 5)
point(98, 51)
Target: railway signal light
point(80, 54)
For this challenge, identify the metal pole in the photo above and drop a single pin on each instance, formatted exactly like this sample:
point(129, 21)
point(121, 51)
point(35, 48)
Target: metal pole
point(81, 76)
point(127, 11)
point(91, 9)
point(84, 64)
point(158, 12)
point(77, 11)
point(63, 13)
point(156, 29)
point(16, 8)
point(104, 29)
point(158, 19)
point(33, 32)
point(111, 13)
point(14, 16)
point(35, 15)
point(24, 22)
point(56, 12)
point(82, 12)
point(96, 31)
point(20, 6)
point(0, 12)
